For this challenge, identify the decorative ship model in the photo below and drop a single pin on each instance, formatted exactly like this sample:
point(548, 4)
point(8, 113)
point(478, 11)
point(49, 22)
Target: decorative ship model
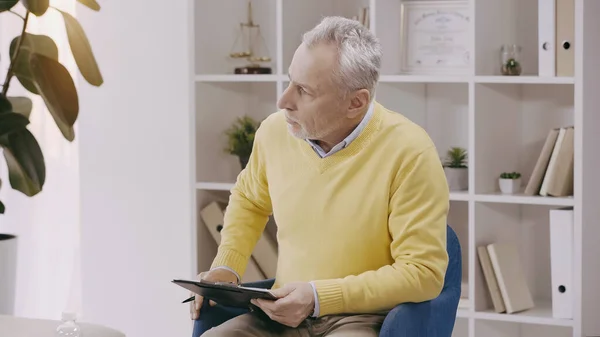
point(250, 35)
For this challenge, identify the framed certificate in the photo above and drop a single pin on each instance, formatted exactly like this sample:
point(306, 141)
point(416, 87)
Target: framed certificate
point(435, 37)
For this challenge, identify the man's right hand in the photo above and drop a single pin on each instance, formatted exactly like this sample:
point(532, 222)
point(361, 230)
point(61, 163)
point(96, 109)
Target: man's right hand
point(215, 275)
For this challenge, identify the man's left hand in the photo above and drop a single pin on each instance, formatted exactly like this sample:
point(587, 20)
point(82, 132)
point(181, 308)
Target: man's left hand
point(296, 302)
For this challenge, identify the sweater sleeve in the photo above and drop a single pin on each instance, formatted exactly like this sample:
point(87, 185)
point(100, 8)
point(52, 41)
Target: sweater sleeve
point(418, 206)
point(246, 214)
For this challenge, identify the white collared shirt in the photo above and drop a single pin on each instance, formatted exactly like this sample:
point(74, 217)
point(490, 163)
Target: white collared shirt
point(344, 143)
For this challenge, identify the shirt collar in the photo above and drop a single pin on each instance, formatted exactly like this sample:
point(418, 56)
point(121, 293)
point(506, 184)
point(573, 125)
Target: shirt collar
point(346, 141)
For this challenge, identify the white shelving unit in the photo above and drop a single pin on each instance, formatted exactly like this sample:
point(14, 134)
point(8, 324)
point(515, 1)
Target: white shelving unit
point(502, 121)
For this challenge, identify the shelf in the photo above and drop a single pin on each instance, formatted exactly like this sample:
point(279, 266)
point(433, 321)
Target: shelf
point(541, 314)
point(301, 16)
point(239, 78)
point(423, 79)
point(502, 121)
point(524, 79)
point(459, 196)
point(463, 313)
point(511, 126)
point(208, 186)
point(440, 108)
point(524, 199)
point(216, 186)
point(224, 16)
point(218, 106)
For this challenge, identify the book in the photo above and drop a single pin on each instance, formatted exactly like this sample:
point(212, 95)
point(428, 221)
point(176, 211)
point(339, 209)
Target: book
point(506, 263)
point(490, 279)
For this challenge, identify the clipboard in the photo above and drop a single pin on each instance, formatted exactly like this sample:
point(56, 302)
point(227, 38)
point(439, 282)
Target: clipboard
point(227, 294)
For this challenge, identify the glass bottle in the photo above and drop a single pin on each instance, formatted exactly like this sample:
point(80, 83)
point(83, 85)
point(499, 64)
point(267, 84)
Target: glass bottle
point(68, 327)
point(510, 56)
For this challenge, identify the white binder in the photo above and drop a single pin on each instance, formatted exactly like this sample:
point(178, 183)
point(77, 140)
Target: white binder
point(561, 261)
point(546, 38)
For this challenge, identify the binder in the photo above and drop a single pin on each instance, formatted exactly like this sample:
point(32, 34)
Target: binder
point(565, 36)
point(547, 38)
point(561, 261)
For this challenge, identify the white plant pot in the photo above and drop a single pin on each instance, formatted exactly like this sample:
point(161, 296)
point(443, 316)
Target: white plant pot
point(8, 273)
point(509, 186)
point(458, 178)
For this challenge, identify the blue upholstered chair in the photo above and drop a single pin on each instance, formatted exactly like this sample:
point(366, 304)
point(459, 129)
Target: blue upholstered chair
point(433, 318)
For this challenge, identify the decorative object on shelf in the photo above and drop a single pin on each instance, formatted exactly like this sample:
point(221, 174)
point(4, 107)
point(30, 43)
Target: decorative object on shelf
point(33, 59)
point(435, 37)
point(363, 16)
point(510, 55)
point(510, 182)
point(251, 35)
point(455, 167)
point(241, 138)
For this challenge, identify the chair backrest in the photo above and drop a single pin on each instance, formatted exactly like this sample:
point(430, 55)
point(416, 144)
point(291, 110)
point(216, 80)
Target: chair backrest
point(453, 278)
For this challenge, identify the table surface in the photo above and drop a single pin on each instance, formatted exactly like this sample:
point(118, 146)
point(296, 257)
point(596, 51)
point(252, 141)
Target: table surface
point(11, 326)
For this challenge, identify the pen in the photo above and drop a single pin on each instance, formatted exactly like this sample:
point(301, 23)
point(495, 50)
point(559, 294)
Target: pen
point(189, 299)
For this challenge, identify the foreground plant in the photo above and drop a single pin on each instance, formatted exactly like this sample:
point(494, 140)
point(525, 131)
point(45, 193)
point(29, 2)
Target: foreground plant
point(34, 63)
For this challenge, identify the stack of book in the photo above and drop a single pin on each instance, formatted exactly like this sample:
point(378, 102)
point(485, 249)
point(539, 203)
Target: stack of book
point(553, 172)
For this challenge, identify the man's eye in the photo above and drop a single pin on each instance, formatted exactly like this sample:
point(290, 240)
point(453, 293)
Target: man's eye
point(301, 90)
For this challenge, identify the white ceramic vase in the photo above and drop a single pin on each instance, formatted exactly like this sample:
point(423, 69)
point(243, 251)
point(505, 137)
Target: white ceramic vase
point(509, 186)
point(8, 273)
point(458, 178)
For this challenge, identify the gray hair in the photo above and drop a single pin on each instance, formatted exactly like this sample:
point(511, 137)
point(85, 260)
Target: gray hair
point(358, 49)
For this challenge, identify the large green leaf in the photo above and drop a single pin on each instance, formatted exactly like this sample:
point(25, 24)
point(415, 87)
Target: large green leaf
point(40, 44)
point(57, 88)
point(5, 104)
point(7, 4)
point(82, 51)
point(37, 7)
point(25, 161)
point(12, 122)
point(21, 105)
point(91, 4)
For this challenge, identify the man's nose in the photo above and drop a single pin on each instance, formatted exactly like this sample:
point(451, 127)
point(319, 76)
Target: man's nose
point(285, 101)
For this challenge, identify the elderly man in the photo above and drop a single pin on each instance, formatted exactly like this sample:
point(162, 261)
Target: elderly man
point(357, 191)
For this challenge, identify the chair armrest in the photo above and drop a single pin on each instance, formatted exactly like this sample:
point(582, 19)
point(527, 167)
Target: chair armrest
point(265, 284)
point(407, 320)
point(434, 318)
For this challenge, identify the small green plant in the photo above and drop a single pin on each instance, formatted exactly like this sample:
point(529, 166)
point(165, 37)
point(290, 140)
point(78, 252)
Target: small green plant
point(510, 175)
point(511, 68)
point(456, 157)
point(241, 138)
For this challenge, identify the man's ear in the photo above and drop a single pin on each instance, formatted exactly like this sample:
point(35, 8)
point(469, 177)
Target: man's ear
point(358, 103)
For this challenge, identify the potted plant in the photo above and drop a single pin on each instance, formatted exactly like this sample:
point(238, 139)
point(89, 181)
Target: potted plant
point(510, 182)
point(34, 62)
point(241, 138)
point(456, 169)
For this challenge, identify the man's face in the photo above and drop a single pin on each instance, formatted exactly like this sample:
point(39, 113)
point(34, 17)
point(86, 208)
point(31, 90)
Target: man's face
point(313, 106)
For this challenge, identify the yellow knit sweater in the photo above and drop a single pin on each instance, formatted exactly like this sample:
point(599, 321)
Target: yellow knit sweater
point(367, 224)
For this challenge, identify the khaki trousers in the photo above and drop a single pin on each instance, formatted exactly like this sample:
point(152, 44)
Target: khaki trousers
point(254, 324)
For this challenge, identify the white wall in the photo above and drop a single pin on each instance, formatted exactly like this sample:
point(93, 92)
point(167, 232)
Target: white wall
point(135, 167)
